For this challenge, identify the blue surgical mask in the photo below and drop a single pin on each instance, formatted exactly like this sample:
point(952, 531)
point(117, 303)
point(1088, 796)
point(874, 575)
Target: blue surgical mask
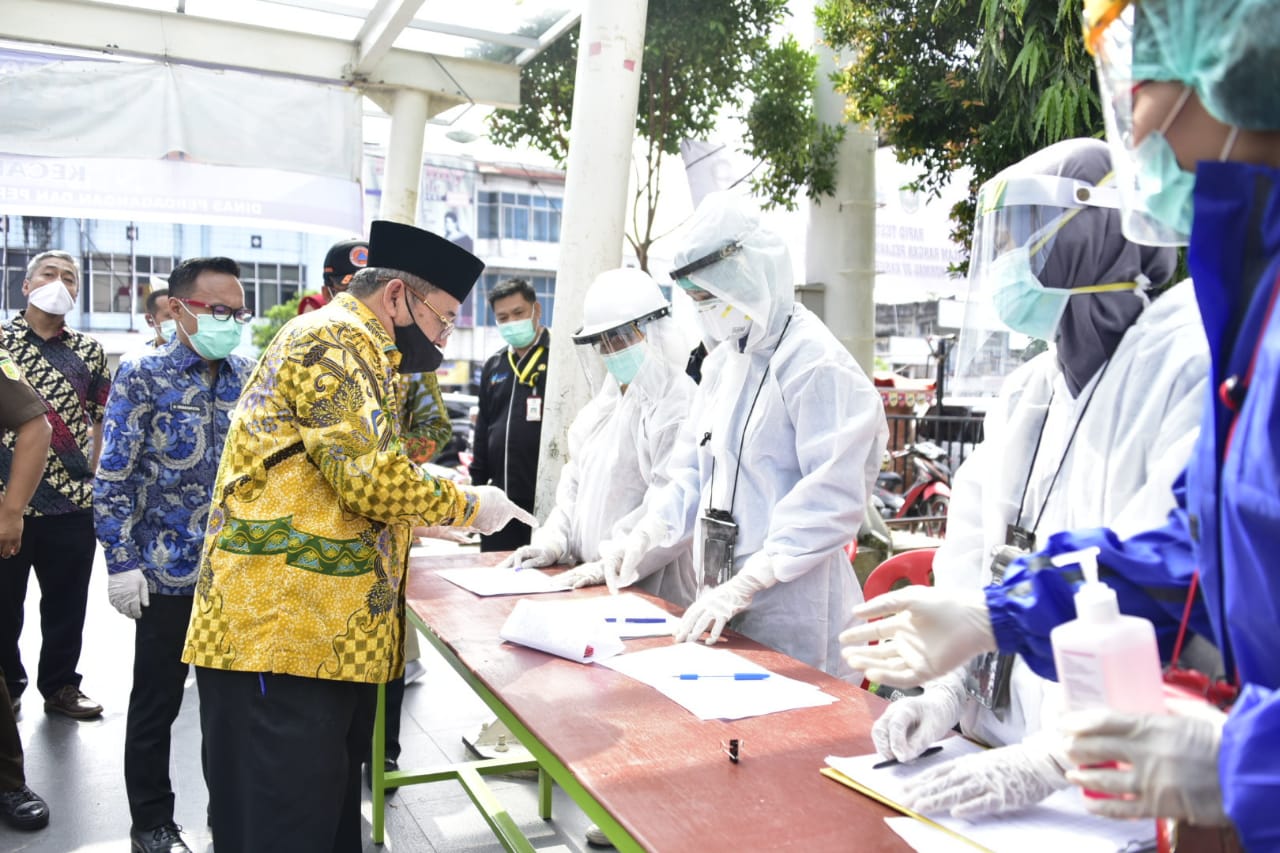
point(1025, 305)
point(214, 339)
point(625, 364)
point(518, 333)
point(1164, 187)
point(168, 328)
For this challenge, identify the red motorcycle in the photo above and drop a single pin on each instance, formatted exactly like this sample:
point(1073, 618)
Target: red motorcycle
point(929, 495)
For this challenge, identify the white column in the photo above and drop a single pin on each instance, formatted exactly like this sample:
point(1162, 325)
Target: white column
point(403, 172)
point(840, 249)
point(607, 85)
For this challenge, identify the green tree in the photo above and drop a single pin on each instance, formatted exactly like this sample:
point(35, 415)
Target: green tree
point(275, 318)
point(954, 83)
point(701, 58)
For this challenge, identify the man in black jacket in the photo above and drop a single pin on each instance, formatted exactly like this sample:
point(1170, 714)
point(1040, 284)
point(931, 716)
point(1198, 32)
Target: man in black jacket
point(512, 388)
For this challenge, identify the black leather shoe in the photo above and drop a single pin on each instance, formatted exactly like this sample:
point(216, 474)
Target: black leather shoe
point(72, 703)
point(388, 765)
point(23, 809)
point(165, 838)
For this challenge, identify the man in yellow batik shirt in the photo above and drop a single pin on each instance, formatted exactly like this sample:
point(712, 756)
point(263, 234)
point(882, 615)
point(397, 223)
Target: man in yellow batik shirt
point(299, 608)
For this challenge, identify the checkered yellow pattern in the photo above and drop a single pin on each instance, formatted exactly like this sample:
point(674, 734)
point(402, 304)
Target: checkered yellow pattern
point(313, 468)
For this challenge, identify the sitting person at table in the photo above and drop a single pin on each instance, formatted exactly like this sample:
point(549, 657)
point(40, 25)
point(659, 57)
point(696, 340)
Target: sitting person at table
point(620, 442)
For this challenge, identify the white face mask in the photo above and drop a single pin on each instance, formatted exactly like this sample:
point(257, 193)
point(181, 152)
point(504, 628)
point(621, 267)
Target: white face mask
point(52, 298)
point(721, 321)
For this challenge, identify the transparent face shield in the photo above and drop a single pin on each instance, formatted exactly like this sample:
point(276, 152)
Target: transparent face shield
point(621, 351)
point(1109, 37)
point(1007, 306)
point(727, 292)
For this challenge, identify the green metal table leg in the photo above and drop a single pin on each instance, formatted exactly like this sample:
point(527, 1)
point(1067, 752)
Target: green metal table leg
point(544, 793)
point(502, 824)
point(377, 765)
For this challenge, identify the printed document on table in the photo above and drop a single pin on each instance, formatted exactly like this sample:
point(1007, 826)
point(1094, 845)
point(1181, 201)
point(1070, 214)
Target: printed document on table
point(716, 695)
point(499, 581)
point(631, 615)
point(549, 627)
point(1058, 824)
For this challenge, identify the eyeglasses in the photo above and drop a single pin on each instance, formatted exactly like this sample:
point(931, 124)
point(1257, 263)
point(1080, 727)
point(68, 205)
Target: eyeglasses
point(444, 321)
point(221, 312)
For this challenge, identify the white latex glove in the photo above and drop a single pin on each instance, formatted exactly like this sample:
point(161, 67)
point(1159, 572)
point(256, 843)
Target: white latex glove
point(588, 574)
point(496, 509)
point(990, 782)
point(621, 572)
point(929, 633)
point(715, 606)
point(128, 593)
point(912, 724)
point(532, 556)
point(1172, 762)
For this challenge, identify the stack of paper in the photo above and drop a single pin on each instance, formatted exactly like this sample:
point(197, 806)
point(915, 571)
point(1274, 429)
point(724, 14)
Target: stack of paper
point(1058, 823)
point(548, 627)
point(715, 684)
point(492, 580)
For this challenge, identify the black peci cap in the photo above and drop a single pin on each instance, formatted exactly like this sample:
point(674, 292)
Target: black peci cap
point(442, 263)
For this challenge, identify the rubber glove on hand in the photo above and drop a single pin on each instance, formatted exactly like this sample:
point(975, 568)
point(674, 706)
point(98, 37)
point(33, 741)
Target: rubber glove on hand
point(128, 593)
point(715, 606)
point(930, 633)
point(648, 534)
point(496, 509)
point(533, 556)
point(912, 724)
point(990, 782)
point(1172, 762)
point(588, 574)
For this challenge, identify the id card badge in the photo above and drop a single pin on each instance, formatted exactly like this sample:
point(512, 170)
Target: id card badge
point(987, 677)
point(533, 409)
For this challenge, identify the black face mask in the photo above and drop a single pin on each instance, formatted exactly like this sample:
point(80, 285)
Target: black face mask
point(417, 353)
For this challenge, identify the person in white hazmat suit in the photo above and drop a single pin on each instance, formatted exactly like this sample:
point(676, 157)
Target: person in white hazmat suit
point(1093, 432)
point(620, 442)
point(773, 467)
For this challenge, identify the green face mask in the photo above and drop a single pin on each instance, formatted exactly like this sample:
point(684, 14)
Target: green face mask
point(1025, 305)
point(168, 328)
point(214, 339)
point(517, 333)
point(625, 364)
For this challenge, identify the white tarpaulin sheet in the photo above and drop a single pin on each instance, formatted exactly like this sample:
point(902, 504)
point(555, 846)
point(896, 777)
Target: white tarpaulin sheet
point(147, 111)
point(174, 191)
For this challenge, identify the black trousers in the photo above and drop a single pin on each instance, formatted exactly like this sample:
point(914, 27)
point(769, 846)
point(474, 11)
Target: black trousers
point(283, 760)
point(158, 679)
point(391, 731)
point(11, 775)
point(60, 548)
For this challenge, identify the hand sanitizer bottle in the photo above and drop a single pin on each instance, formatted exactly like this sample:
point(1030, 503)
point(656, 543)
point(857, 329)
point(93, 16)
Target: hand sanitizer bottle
point(1105, 659)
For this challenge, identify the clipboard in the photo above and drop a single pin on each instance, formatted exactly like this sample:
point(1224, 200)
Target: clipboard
point(832, 773)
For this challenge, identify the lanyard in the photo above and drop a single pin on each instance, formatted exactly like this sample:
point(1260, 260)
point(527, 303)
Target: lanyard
point(1062, 459)
point(532, 364)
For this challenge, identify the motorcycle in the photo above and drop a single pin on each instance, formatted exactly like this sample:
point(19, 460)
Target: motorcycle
point(929, 495)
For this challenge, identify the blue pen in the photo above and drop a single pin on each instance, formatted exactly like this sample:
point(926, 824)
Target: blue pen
point(736, 676)
point(640, 620)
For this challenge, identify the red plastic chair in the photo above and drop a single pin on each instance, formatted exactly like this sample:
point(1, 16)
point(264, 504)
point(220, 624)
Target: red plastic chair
point(915, 567)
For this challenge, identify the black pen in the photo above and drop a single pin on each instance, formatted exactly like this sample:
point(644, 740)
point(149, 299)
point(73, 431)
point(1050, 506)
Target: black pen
point(889, 762)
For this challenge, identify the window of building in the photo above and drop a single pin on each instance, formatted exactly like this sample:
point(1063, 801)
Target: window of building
point(108, 280)
point(269, 285)
point(518, 216)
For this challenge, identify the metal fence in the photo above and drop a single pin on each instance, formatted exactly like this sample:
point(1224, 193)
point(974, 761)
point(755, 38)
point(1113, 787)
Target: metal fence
point(956, 432)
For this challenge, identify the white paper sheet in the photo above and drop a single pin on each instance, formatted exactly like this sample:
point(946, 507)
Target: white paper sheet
point(630, 615)
point(1058, 824)
point(715, 698)
point(498, 581)
point(550, 627)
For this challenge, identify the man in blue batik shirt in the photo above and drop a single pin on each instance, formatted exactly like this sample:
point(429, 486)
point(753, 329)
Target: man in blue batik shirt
point(165, 425)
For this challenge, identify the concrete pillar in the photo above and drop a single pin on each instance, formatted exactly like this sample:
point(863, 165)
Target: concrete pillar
point(840, 248)
point(606, 88)
point(403, 172)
